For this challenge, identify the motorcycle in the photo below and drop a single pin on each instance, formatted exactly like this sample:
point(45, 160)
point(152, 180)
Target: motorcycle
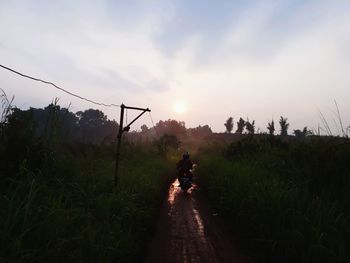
point(185, 182)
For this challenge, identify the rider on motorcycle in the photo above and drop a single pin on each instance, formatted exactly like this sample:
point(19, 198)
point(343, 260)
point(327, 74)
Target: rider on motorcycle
point(184, 166)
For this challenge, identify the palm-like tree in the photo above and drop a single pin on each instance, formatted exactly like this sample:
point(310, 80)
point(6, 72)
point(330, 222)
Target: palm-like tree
point(271, 127)
point(250, 127)
point(302, 134)
point(284, 126)
point(240, 126)
point(229, 125)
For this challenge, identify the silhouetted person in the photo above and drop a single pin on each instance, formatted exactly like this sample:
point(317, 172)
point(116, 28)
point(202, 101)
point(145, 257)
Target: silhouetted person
point(184, 166)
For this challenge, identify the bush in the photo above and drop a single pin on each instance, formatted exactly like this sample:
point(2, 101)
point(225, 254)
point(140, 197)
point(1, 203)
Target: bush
point(57, 204)
point(287, 200)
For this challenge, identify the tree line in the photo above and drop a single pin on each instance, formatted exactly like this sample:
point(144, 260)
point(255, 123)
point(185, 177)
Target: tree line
point(89, 126)
point(249, 127)
point(93, 126)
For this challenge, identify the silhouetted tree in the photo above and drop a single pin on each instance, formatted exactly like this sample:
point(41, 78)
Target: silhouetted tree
point(56, 121)
point(229, 125)
point(144, 128)
point(250, 127)
point(302, 134)
point(200, 131)
point(165, 142)
point(145, 132)
point(284, 126)
point(240, 126)
point(19, 143)
point(91, 118)
point(171, 127)
point(108, 132)
point(94, 126)
point(271, 127)
point(57, 125)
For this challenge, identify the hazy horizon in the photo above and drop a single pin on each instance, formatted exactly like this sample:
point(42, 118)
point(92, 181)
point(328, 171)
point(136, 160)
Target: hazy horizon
point(252, 59)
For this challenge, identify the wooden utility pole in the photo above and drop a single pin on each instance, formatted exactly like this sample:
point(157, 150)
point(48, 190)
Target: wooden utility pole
point(120, 133)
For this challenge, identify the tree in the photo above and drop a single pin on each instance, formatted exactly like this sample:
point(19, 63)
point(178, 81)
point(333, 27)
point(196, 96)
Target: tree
point(284, 126)
point(200, 131)
point(91, 118)
point(144, 128)
point(271, 127)
point(19, 143)
point(171, 127)
point(54, 121)
point(250, 127)
point(95, 127)
point(240, 126)
point(165, 142)
point(302, 134)
point(144, 134)
point(229, 125)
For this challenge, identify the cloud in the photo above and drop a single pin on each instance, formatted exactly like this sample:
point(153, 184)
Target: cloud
point(84, 41)
point(256, 69)
point(253, 58)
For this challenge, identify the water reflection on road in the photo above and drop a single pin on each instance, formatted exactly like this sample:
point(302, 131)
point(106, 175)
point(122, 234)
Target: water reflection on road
point(189, 242)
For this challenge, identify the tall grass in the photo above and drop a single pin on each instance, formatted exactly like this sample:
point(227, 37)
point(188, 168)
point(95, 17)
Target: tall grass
point(72, 215)
point(57, 203)
point(341, 130)
point(6, 105)
point(287, 201)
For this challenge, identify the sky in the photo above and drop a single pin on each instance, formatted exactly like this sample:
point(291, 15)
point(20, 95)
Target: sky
point(253, 59)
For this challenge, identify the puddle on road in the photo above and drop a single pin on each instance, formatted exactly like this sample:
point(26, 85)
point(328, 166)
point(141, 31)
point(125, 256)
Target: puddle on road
point(185, 235)
point(175, 190)
point(172, 192)
point(199, 224)
point(188, 230)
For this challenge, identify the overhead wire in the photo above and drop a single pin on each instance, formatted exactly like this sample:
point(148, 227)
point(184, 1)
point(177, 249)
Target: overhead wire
point(62, 89)
point(75, 95)
point(154, 127)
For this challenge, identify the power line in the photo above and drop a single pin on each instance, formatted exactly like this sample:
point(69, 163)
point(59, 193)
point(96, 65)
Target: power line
point(150, 115)
point(57, 87)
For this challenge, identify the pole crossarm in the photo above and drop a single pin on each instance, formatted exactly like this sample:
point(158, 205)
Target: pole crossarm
point(120, 133)
point(127, 128)
point(135, 108)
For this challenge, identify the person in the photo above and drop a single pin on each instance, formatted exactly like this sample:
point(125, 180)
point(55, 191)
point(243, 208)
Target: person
point(184, 166)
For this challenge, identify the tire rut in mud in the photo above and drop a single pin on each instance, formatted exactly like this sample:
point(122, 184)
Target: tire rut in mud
point(186, 232)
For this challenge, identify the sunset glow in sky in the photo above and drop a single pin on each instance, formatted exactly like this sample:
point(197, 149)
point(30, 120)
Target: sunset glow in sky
point(195, 61)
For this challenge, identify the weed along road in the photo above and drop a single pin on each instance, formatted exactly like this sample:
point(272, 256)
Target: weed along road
point(188, 232)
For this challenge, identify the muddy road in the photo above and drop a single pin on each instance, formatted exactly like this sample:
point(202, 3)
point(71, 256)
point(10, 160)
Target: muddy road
point(187, 231)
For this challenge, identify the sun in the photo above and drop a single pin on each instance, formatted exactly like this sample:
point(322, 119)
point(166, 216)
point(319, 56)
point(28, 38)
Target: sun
point(180, 107)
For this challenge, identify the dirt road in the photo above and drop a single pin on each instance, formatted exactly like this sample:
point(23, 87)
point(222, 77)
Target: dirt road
point(188, 232)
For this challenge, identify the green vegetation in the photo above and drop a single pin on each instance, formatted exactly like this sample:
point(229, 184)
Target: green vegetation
point(57, 203)
point(286, 199)
point(229, 125)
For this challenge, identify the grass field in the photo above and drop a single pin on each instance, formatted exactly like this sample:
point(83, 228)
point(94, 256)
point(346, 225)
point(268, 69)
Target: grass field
point(286, 200)
point(65, 211)
point(58, 201)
